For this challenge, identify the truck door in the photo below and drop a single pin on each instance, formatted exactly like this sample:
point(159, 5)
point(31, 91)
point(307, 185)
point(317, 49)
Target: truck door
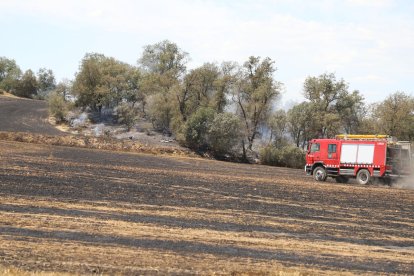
point(332, 153)
point(332, 157)
point(314, 152)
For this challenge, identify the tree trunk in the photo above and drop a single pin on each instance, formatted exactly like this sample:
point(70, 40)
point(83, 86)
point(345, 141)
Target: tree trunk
point(244, 157)
point(251, 139)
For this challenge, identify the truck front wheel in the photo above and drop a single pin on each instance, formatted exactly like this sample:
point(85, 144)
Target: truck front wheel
point(319, 174)
point(363, 177)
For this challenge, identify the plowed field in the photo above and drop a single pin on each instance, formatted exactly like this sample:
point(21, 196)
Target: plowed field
point(88, 211)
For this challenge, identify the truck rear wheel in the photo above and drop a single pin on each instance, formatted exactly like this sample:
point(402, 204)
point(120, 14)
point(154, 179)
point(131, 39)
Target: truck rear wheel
point(363, 177)
point(320, 174)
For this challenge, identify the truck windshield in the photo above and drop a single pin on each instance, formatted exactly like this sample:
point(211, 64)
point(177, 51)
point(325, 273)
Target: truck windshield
point(314, 147)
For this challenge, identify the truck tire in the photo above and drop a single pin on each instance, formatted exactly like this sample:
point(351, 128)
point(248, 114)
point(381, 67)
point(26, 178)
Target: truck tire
point(363, 177)
point(341, 179)
point(319, 174)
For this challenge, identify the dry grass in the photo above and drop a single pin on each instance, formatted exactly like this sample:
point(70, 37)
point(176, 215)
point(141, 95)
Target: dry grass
point(6, 94)
point(91, 143)
point(13, 271)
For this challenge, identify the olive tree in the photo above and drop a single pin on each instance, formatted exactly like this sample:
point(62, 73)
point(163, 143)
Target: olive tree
point(104, 82)
point(334, 108)
point(163, 65)
point(46, 82)
point(395, 116)
point(27, 85)
point(254, 94)
point(10, 74)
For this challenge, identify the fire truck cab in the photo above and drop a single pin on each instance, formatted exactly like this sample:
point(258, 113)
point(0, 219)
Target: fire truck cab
point(358, 156)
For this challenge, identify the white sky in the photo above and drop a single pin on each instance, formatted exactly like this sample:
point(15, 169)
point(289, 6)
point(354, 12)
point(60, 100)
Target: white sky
point(368, 43)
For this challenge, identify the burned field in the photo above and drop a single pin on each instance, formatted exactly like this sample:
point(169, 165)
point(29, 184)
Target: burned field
point(88, 211)
point(25, 115)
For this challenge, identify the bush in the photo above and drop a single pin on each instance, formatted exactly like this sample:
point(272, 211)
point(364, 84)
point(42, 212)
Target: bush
point(197, 127)
point(127, 115)
point(58, 107)
point(270, 155)
point(26, 86)
point(288, 156)
point(160, 111)
point(224, 134)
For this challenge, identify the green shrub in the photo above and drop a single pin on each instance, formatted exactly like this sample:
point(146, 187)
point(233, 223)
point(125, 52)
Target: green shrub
point(197, 127)
point(224, 134)
point(160, 111)
point(58, 107)
point(127, 115)
point(269, 155)
point(287, 156)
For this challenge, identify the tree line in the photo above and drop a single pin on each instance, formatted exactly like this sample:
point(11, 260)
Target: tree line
point(226, 109)
point(27, 84)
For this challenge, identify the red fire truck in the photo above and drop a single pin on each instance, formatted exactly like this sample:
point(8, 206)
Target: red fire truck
point(363, 157)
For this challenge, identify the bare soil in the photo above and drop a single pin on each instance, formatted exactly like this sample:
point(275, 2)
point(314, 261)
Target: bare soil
point(91, 211)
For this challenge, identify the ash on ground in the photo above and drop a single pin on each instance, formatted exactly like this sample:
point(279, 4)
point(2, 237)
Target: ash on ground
point(105, 125)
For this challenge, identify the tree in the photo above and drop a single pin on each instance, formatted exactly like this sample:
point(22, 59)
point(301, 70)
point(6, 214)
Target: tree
point(352, 110)
point(64, 88)
point(164, 64)
point(224, 84)
point(205, 86)
point(120, 81)
point(10, 74)
point(88, 80)
point(27, 85)
point(278, 125)
point(395, 116)
point(198, 89)
point(45, 82)
point(105, 82)
point(334, 108)
point(300, 123)
point(133, 92)
point(164, 58)
point(254, 95)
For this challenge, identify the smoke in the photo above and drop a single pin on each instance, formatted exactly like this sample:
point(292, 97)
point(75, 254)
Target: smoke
point(405, 182)
point(80, 121)
point(98, 130)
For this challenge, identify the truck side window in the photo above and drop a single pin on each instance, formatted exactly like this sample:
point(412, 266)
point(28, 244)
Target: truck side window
point(314, 147)
point(332, 148)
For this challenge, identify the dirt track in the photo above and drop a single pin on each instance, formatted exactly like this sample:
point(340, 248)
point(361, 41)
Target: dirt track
point(25, 115)
point(86, 211)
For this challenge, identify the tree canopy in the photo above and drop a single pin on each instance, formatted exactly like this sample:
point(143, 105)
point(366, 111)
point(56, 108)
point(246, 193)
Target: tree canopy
point(254, 95)
point(10, 74)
